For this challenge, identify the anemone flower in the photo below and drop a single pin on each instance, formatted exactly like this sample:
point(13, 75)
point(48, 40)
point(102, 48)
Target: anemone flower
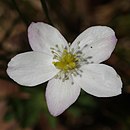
point(68, 67)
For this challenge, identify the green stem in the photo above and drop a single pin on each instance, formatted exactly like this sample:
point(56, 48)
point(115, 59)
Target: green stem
point(20, 13)
point(45, 9)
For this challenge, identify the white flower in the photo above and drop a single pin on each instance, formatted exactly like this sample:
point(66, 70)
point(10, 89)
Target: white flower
point(68, 67)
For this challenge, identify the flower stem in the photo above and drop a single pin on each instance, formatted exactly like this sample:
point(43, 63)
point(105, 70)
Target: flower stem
point(45, 9)
point(20, 13)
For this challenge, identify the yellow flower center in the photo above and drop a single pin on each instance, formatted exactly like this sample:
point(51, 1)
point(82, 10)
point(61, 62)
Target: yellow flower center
point(66, 62)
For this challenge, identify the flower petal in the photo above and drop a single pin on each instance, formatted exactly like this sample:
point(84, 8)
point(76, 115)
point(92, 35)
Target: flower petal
point(60, 95)
point(97, 42)
point(31, 68)
point(42, 37)
point(100, 80)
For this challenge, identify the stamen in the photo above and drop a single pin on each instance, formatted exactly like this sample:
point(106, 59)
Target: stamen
point(69, 60)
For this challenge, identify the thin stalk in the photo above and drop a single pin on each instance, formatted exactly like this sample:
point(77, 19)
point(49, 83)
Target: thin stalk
point(45, 9)
point(20, 13)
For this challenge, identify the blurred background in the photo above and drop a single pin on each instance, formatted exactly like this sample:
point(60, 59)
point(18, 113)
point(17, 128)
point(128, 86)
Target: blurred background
point(23, 108)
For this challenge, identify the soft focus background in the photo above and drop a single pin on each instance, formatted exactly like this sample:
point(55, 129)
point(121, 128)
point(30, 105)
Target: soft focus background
point(23, 108)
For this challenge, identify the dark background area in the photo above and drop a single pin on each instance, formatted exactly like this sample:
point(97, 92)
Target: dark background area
point(23, 108)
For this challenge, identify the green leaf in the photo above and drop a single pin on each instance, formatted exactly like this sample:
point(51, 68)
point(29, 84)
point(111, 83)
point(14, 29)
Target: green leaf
point(32, 109)
point(52, 121)
point(9, 116)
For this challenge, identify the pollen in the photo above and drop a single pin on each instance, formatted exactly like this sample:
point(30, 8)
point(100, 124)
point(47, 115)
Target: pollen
point(66, 62)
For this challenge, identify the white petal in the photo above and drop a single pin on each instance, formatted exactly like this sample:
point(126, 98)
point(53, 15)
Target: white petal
point(60, 95)
point(42, 37)
point(100, 80)
point(99, 42)
point(31, 68)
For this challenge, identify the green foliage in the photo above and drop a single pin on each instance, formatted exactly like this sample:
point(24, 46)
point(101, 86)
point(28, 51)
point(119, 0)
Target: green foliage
point(26, 111)
point(87, 101)
point(75, 111)
point(9, 116)
point(52, 121)
point(32, 109)
point(122, 22)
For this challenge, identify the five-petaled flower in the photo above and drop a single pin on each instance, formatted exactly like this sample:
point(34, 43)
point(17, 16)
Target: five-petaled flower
point(68, 67)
